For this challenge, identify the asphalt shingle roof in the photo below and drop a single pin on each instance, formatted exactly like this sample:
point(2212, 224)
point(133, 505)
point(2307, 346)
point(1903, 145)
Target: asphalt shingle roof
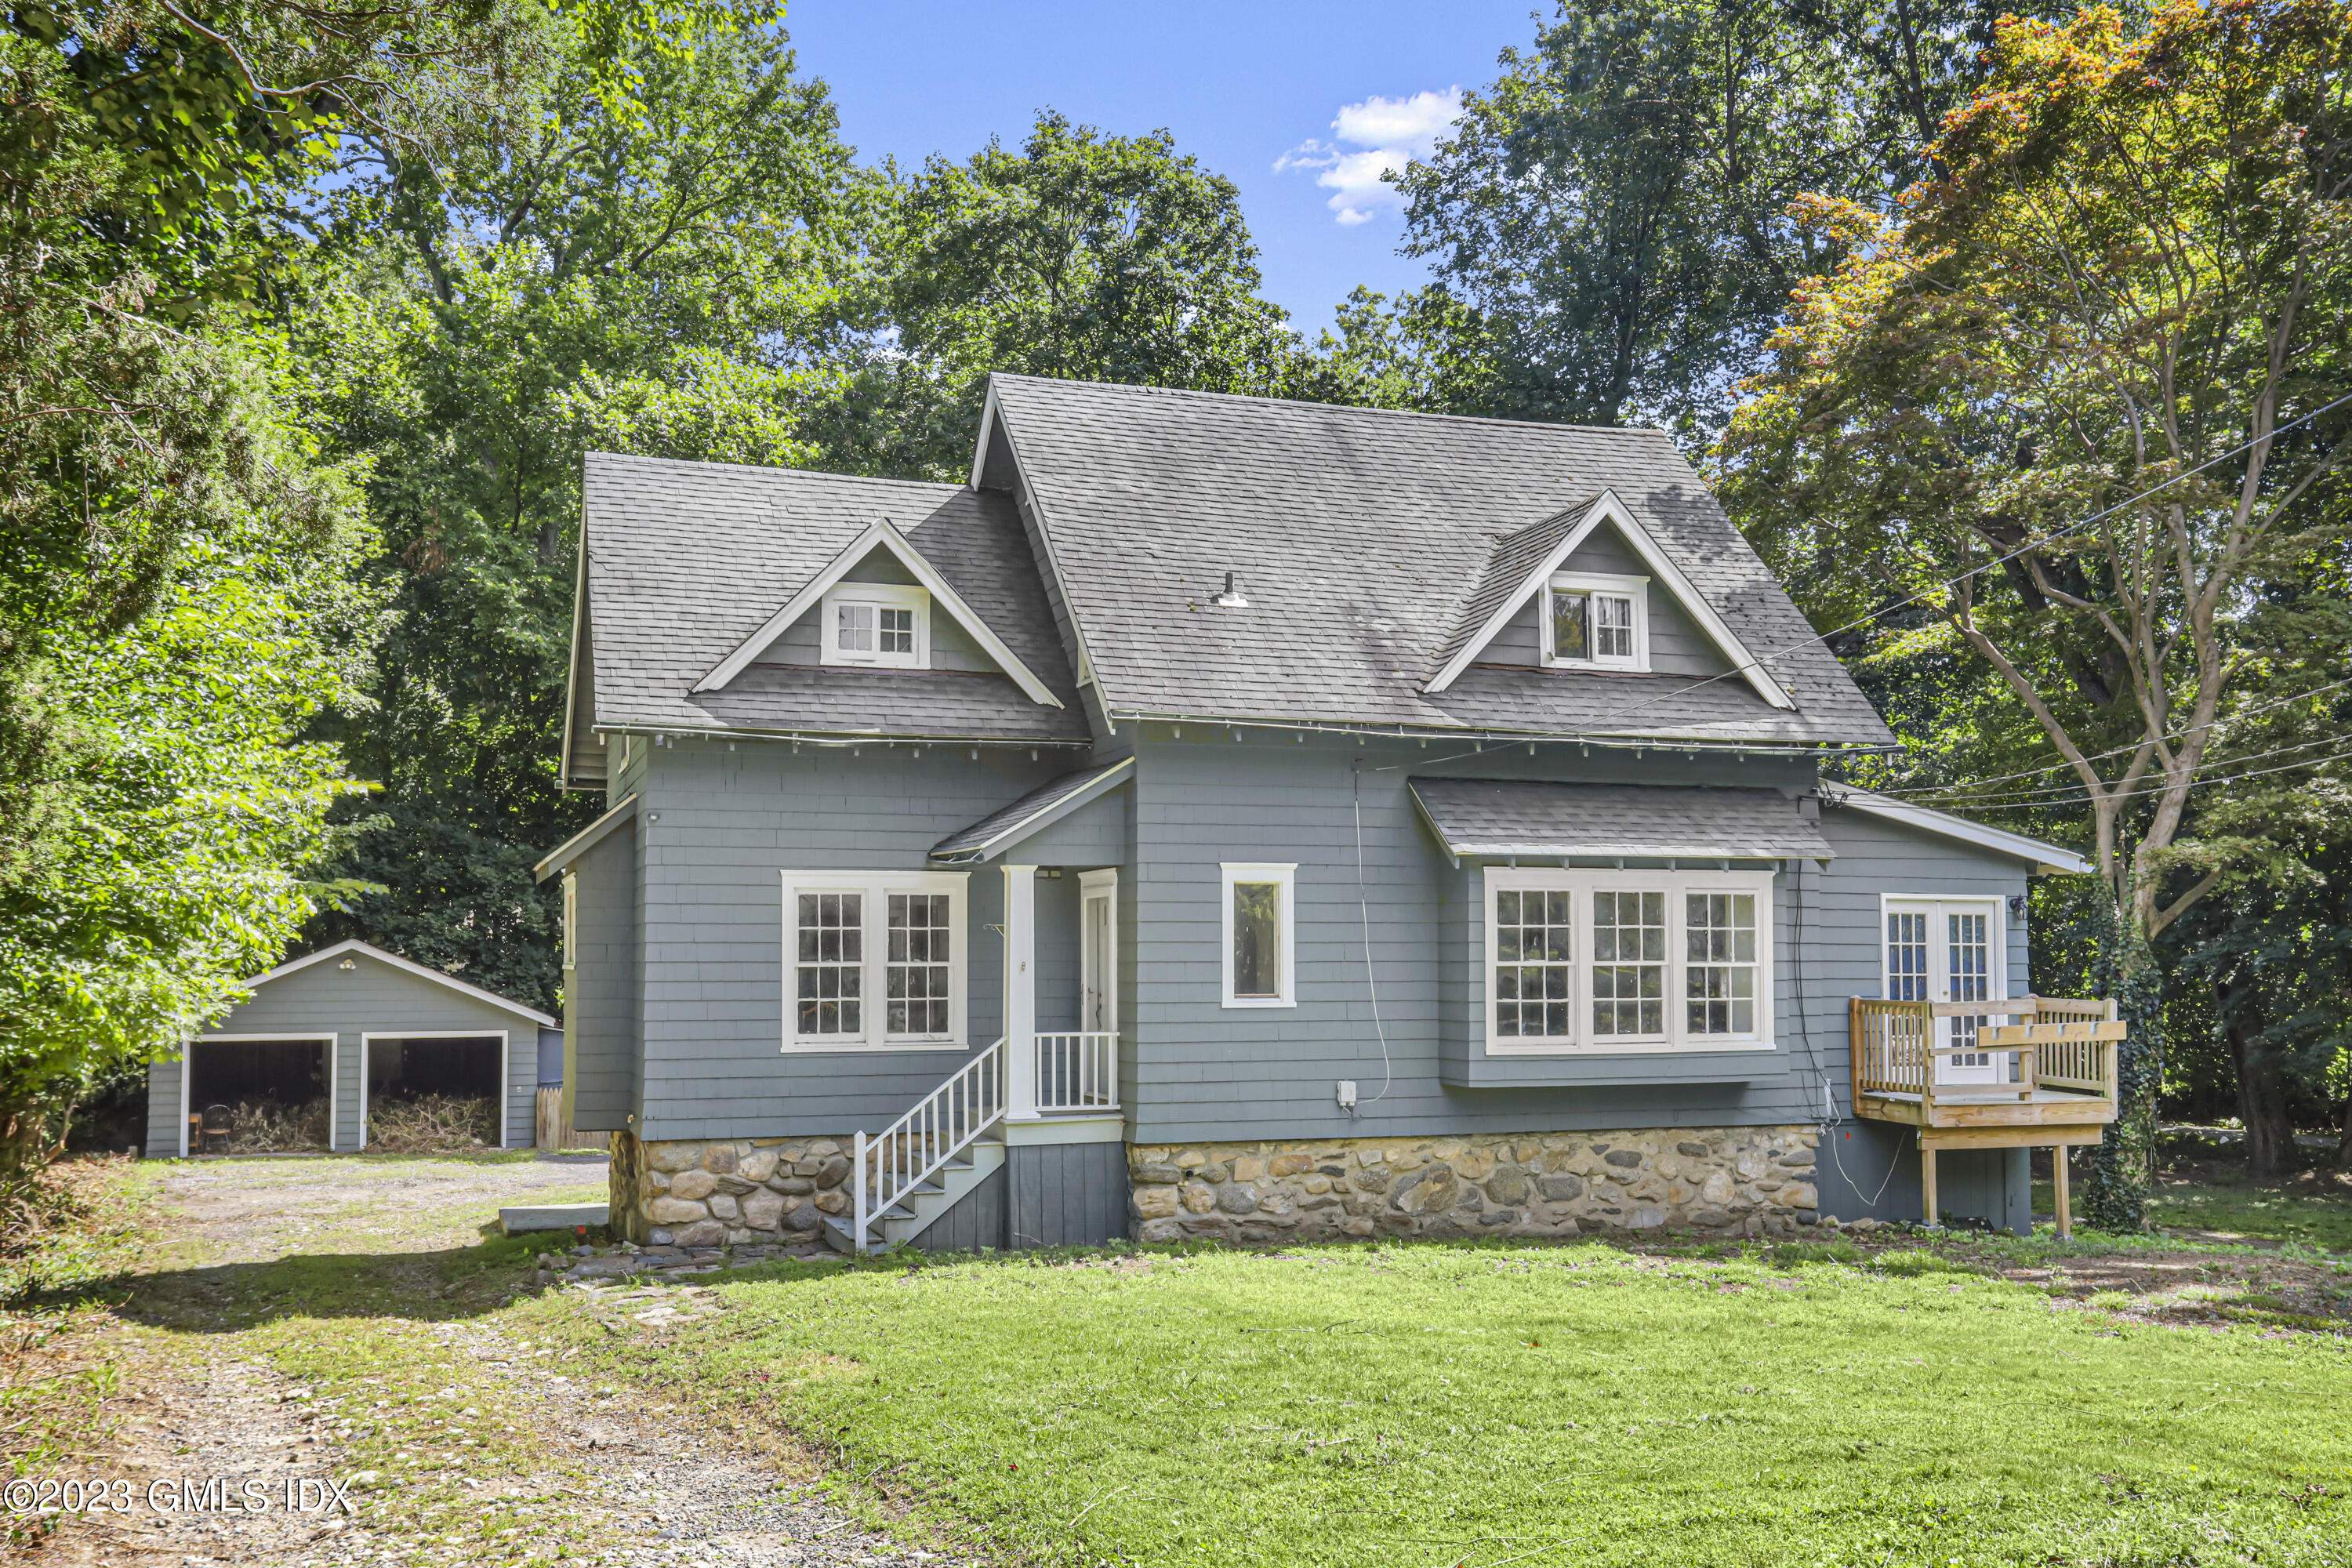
point(1503, 817)
point(686, 559)
point(1014, 821)
point(1362, 538)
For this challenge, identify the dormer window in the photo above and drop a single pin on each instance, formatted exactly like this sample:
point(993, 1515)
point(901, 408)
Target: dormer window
point(1597, 623)
point(878, 624)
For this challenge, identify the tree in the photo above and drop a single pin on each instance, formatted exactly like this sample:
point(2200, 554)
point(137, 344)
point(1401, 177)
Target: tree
point(2071, 397)
point(668, 275)
point(1608, 217)
point(1078, 255)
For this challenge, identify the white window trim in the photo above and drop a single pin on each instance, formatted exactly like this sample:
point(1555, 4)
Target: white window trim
point(1634, 588)
point(883, 596)
point(878, 886)
point(1582, 882)
point(1093, 885)
point(1286, 875)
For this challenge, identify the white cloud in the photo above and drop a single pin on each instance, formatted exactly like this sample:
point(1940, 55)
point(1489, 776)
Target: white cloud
point(1383, 135)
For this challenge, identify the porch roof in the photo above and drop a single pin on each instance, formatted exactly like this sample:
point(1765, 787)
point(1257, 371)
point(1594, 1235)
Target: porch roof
point(1042, 808)
point(1488, 818)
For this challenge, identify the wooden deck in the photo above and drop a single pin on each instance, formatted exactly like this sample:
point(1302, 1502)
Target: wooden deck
point(2051, 1076)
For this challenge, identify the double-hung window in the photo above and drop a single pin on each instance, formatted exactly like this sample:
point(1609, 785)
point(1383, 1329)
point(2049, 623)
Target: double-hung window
point(874, 959)
point(880, 624)
point(1627, 961)
point(1597, 623)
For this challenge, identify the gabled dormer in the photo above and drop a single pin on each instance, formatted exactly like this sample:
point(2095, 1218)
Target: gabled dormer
point(1587, 589)
point(878, 605)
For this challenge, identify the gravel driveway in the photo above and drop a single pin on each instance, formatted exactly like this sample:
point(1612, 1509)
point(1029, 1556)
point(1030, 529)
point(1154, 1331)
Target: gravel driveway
point(616, 1479)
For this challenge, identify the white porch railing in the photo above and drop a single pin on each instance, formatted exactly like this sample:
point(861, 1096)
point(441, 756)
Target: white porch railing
point(1079, 1070)
point(942, 1124)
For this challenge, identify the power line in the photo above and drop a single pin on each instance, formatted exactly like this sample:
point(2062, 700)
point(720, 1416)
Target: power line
point(1764, 659)
point(2119, 750)
point(2198, 784)
point(1956, 794)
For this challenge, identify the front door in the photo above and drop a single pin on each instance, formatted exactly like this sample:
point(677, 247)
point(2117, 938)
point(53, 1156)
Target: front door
point(1099, 951)
point(1948, 950)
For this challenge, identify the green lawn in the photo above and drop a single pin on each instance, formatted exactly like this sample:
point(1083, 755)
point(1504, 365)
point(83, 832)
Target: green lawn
point(2315, 1212)
point(1478, 1404)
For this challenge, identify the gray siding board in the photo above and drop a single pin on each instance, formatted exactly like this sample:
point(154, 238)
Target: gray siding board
point(716, 831)
point(163, 1110)
point(1094, 835)
point(1065, 1194)
point(602, 1018)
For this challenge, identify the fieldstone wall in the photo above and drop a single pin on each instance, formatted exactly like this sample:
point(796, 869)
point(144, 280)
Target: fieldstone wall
point(736, 1191)
point(1744, 1180)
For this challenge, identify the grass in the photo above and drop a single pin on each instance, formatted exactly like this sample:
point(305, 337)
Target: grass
point(2313, 1211)
point(1480, 1403)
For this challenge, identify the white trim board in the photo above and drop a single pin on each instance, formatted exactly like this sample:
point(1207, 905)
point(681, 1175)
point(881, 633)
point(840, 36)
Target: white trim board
point(331, 1039)
point(882, 535)
point(1607, 508)
point(505, 1069)
point(561, 858)
point(393, 959)
point(2048, 859)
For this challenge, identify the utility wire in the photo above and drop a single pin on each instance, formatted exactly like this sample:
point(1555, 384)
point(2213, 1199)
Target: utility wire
point(2119, 750)
point(1957, 792)
point(2195, 784)
point(1764, 659)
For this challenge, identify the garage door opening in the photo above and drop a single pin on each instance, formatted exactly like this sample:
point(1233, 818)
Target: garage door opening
point(434, 1096)
point(257, 1097)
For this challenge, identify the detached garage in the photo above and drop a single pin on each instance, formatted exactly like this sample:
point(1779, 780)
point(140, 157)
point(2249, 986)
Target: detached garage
point(333, 1045)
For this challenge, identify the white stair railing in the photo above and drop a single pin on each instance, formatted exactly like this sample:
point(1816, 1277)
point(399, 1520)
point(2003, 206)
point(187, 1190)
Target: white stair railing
point(910, 1151)
point(1079, 1070)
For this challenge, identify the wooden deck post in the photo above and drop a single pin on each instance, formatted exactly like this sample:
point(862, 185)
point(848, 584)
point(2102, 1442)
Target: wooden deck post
point(1927, 1180)
point(2058, 1186)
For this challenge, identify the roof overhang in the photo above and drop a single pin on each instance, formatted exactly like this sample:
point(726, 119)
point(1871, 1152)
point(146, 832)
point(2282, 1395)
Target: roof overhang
point(587, 838)
point(2048, 859)
point(1493, 819)
point(1607, 508)
point(882, 535)
point(367, 949)
point(1001, 830)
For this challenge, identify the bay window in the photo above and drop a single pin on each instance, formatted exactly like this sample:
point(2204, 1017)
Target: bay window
point(1606, 961)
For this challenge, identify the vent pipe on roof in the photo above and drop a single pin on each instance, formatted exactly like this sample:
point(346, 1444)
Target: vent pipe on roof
point(1231, 599)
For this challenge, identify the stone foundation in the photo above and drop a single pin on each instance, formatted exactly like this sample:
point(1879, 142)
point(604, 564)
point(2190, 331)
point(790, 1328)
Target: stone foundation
point(1737, 1180)
point(728, 1191)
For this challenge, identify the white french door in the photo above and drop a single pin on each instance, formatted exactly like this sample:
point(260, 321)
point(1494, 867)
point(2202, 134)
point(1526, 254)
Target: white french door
point(1948, 950)
point(1099, 951)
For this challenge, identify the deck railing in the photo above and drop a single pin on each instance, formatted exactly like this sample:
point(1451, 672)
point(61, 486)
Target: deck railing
point(2043, 1043)
point(910, 1151)
point(1079, 1070)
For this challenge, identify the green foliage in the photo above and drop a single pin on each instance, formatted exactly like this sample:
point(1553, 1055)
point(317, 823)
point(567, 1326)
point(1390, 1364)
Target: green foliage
point(1078, 255)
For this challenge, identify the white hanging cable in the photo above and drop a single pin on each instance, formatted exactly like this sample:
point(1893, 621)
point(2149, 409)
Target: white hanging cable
point(1364, 909)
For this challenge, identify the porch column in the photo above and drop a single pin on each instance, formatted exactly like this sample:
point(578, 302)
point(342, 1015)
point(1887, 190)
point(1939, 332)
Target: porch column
point(1021, 992)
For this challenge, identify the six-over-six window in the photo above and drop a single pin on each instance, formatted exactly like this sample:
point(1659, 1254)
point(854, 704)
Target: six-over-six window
point(874, 959)
point(1602, 960)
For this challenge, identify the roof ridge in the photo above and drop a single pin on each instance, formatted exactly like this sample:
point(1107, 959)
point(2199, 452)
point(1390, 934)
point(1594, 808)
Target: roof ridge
point(952, 486)
point(1180, 391)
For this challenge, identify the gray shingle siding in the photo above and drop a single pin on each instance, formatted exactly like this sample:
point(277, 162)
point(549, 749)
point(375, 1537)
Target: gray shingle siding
point(729, 824)
point(601, 1015)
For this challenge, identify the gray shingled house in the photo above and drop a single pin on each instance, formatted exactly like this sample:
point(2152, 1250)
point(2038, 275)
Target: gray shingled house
point(1226, 816)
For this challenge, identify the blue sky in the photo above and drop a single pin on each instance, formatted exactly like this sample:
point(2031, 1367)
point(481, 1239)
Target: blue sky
point(1251, 89)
